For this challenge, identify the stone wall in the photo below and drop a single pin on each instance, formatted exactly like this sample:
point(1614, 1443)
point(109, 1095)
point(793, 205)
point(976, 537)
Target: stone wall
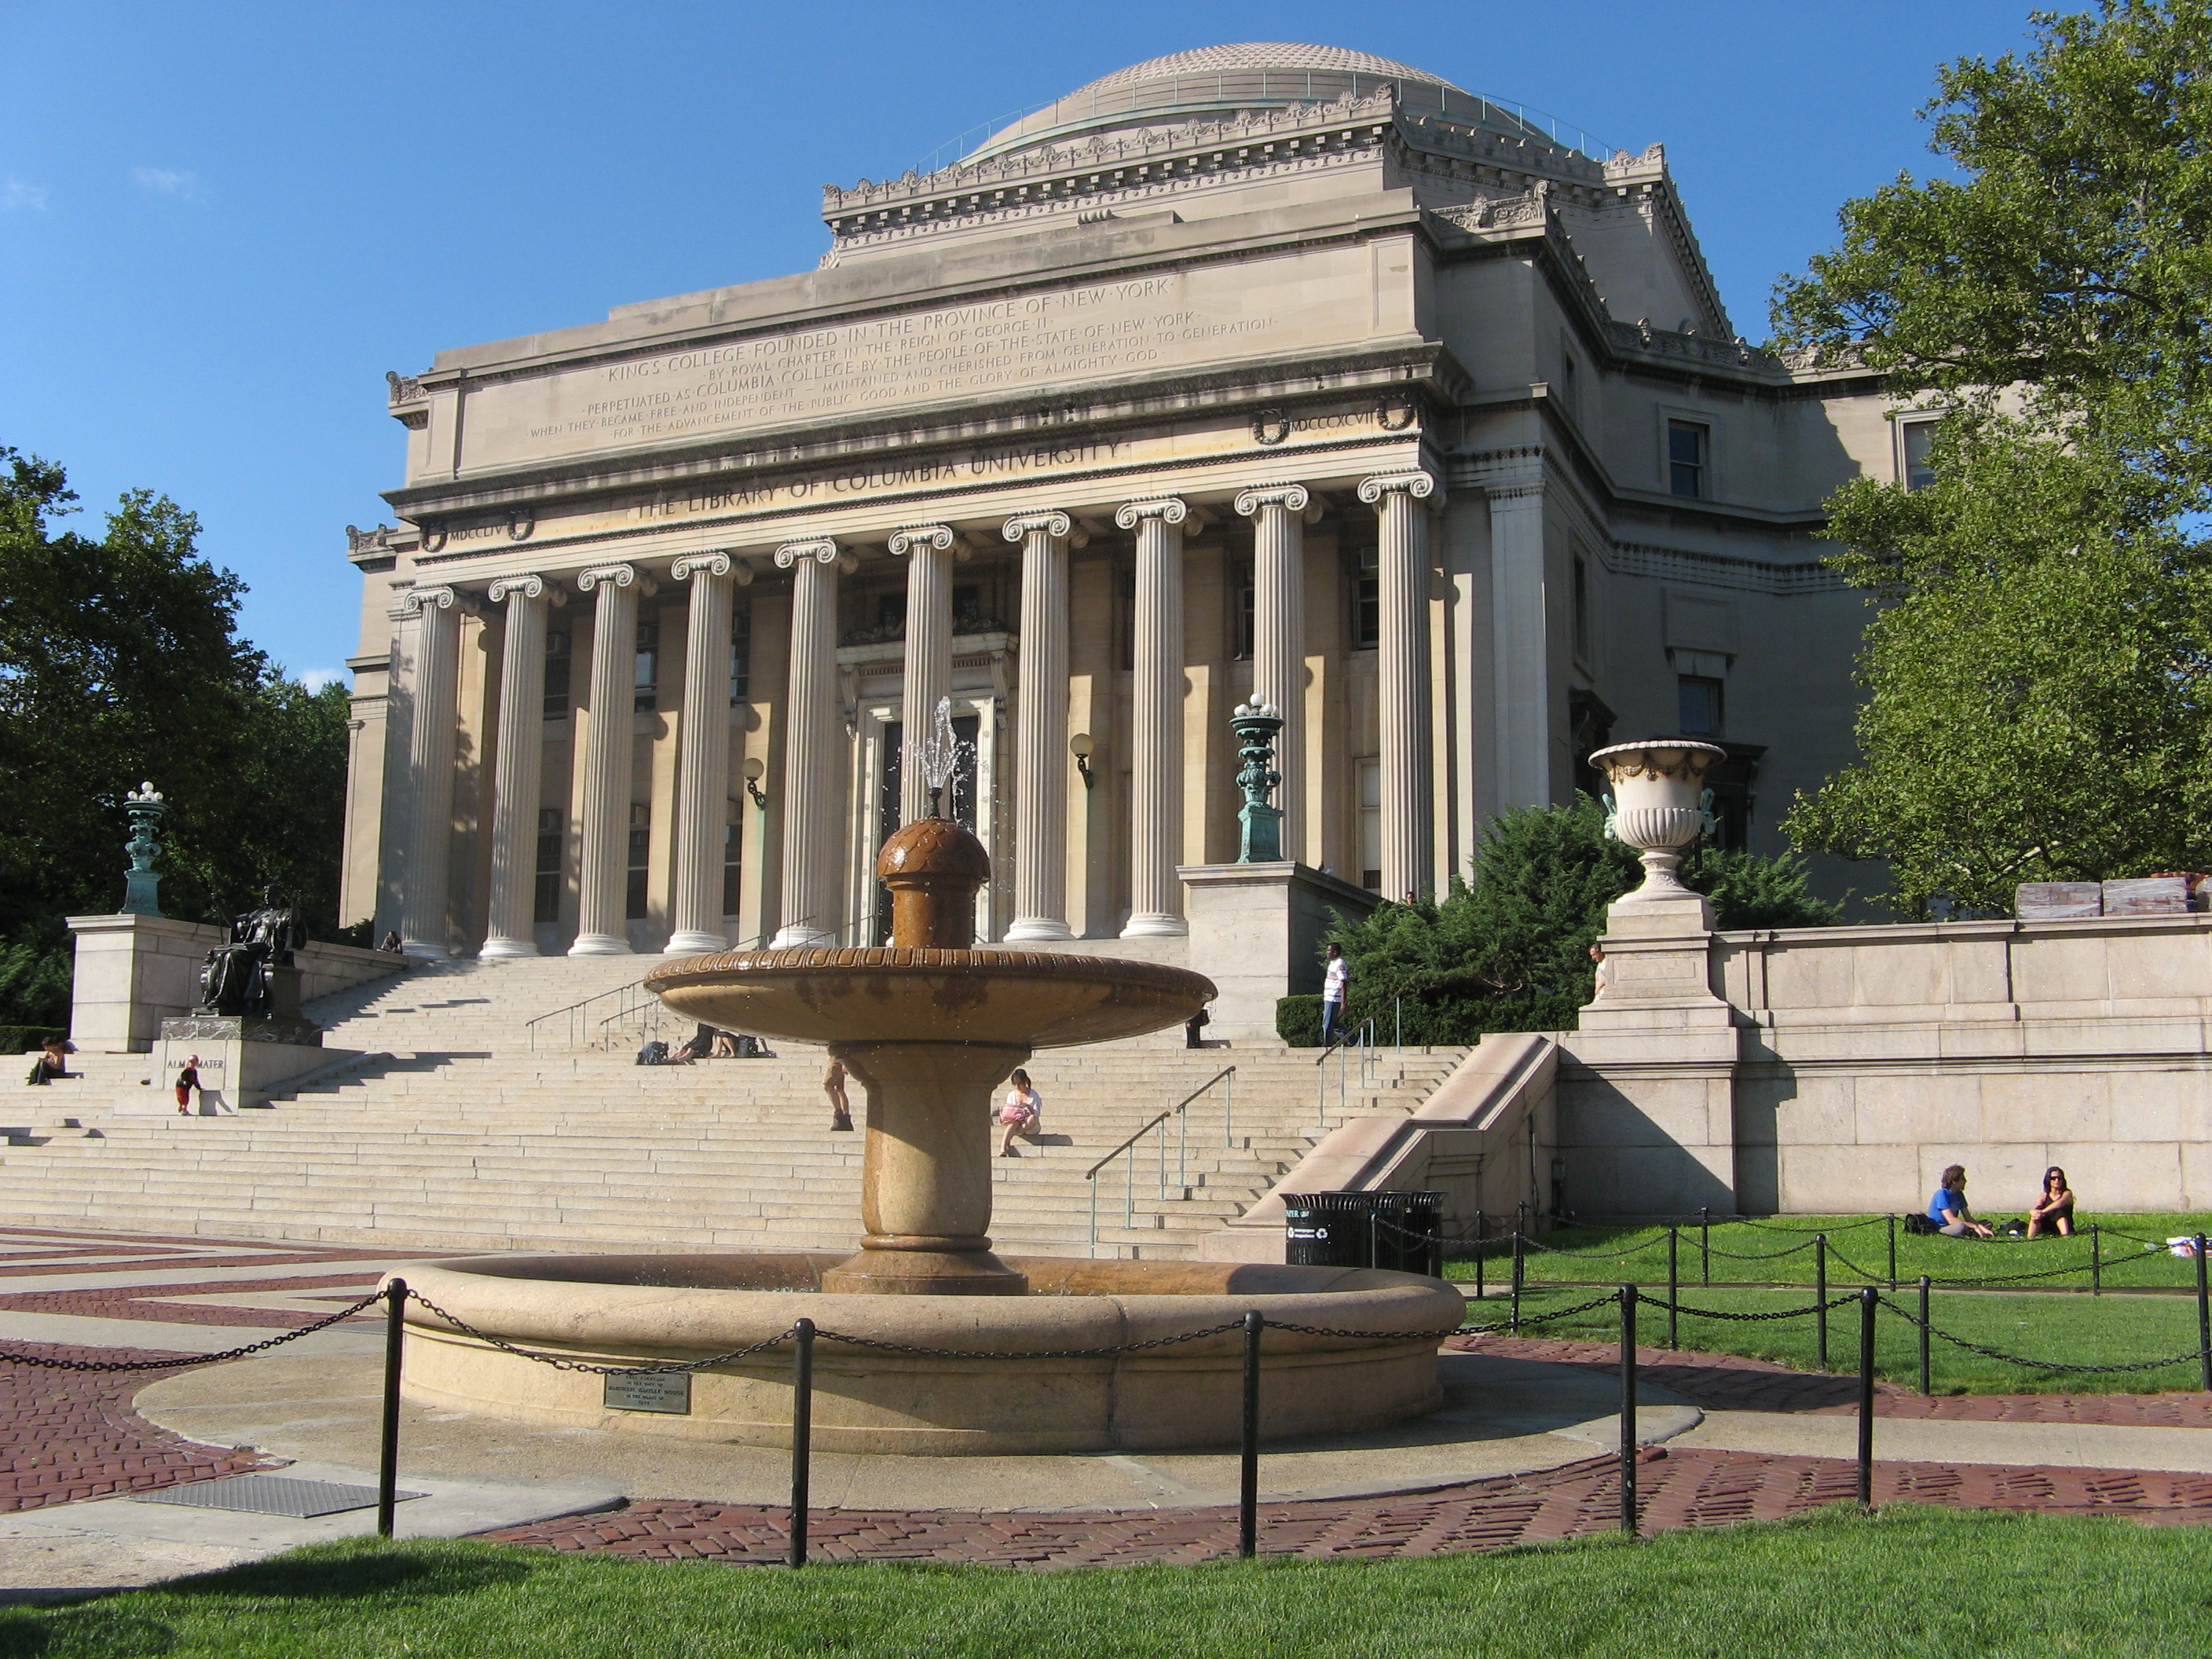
point(1840, 1069)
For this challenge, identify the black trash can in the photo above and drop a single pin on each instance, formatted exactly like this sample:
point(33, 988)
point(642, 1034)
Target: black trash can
point(1402, 1232)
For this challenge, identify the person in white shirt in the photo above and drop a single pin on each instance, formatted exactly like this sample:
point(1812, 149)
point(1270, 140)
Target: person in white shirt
point(1334, 980)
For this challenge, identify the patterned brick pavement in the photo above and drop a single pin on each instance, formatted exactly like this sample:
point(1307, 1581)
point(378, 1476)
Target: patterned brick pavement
point(1685, 1489)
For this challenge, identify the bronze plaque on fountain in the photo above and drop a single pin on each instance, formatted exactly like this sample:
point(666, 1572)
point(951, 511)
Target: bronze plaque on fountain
point(648, 1391)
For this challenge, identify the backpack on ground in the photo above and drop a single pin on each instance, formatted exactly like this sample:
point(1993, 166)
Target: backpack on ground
point(1920, 1224)
point(654, 1052)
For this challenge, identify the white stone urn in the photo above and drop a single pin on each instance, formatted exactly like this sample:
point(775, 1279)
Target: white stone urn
point(1659, 805)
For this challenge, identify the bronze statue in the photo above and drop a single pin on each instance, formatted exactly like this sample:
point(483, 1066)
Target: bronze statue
point(236, 979)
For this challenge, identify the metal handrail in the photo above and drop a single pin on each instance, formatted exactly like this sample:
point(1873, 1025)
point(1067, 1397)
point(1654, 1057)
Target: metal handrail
point(1180, 1112)
point(574, 1009)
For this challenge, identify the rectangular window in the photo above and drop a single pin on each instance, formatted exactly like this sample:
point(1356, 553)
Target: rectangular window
point(741, 653)
point(1566, 374)
point(1917, 438)
point(891, 616)
point(1698, 702)
point(733, 858)
point(1366, 599)
point(1582, 608)
point(1241, 601)
point(968, 608)
point(1370, 825)
point(1687, 446)
point(1126, 580)
point(545, 904)
point(648, 667)
point(640, 853)
point(556, 674)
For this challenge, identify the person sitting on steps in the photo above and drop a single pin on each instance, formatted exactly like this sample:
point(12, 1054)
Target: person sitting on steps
point(1020, 1115)
point(1948, 1208)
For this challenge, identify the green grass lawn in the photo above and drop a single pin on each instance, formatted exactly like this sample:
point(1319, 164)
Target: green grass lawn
point(1909, 1582)
point(2068, 1329)
point(1781, 1252)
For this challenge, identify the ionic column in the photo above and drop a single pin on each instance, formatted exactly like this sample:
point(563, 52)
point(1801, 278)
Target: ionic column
point(607, 742)
point(1403, 675)
point(703, 754)
point(432, 736)
point(929, 664)
point(1278, 636)
point(1156, 746)
point(518, 769)
point(810, 840)
point(1040, 730)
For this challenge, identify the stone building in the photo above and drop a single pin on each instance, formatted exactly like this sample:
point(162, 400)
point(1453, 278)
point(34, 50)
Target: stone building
point(1267, 369)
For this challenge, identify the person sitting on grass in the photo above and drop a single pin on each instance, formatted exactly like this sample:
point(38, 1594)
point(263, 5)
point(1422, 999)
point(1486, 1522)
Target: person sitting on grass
point(1948, 1208)
point(2053, 1214)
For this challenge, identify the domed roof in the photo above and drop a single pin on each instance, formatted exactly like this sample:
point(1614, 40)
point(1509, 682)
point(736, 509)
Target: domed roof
point(1214, 82)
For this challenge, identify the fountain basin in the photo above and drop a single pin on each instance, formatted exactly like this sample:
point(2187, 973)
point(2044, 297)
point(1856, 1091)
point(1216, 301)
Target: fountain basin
point(632, 1309)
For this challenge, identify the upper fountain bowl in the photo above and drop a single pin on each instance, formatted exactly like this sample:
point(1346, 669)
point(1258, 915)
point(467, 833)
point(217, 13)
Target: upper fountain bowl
point(928, 985)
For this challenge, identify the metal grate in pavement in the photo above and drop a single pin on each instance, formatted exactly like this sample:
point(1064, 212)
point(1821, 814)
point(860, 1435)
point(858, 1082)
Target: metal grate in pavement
point(269, 1494)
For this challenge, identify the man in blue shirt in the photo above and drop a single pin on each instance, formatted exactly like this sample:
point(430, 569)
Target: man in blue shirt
point(1948, 1208)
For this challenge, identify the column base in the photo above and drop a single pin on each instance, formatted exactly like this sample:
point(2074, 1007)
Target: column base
point(799, 938)
point(497, 949)
point(423, 951)
point(695, 945)
point(1155, 924)
point(600, 945)
point(1038, 927)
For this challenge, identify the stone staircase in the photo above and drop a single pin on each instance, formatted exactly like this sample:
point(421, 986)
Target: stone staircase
point(463, 1126)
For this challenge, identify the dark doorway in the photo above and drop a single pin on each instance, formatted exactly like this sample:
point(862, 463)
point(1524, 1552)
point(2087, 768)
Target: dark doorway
point(961, 806)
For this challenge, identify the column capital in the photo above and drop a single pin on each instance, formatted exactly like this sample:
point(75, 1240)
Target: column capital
point(419, 599)
point(528, 586)
point(821, 550)
point(1506, 474)
point(618, 575)
point(1414, 485)
point(716, 563)
point(1022, 526)
point(1291, 497)
point(916, 536)
point(1168, 509)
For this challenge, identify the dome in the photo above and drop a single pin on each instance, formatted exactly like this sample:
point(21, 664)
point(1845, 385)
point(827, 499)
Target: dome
point(1214, 82)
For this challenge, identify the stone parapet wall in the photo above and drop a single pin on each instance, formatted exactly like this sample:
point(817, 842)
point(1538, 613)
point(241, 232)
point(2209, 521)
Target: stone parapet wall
point(1855, 1063)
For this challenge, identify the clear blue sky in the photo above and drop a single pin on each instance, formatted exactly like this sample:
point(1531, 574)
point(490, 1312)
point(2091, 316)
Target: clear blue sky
point(221, 223)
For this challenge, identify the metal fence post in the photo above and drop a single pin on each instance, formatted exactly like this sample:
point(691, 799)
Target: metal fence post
point(1924, 1389)
point(388, 1458)
point(2096, 1263)
point(802, 1432)
point(1228, 1109)
point(1248, 1477)
point(1705, 1246)
point(1892, 1219)
point(1478, 1253)
point(1517, 1281)
point(1628, 1409)
point(1673, 1284)
point(1820, 1293)
point(2203, 1318)
point(1868, 1298)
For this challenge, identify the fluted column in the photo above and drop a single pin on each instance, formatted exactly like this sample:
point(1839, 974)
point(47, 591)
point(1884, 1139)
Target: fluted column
point(928, 666)
point(1156, 747)
point(1040, 730)
point(703, 754)
point(1278, 637)
point(1403, 675)
point(601, 860)
point(810, 758)
point(435, 726)
point(518, 769)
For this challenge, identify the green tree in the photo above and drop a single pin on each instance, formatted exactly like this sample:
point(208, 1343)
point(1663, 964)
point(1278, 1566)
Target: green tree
point(2035, 671)
point(120, 661)
point(1508, 949)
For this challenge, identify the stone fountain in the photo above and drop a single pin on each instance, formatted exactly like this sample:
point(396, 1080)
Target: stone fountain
point(929, 1025)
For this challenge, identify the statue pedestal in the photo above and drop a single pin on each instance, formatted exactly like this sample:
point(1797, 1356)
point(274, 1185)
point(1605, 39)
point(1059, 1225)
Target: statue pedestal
point(243, 1062)
point(1257, 931)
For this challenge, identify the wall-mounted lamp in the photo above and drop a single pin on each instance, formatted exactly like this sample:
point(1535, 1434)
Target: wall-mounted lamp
point(1080, 746)
point(753, 771)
